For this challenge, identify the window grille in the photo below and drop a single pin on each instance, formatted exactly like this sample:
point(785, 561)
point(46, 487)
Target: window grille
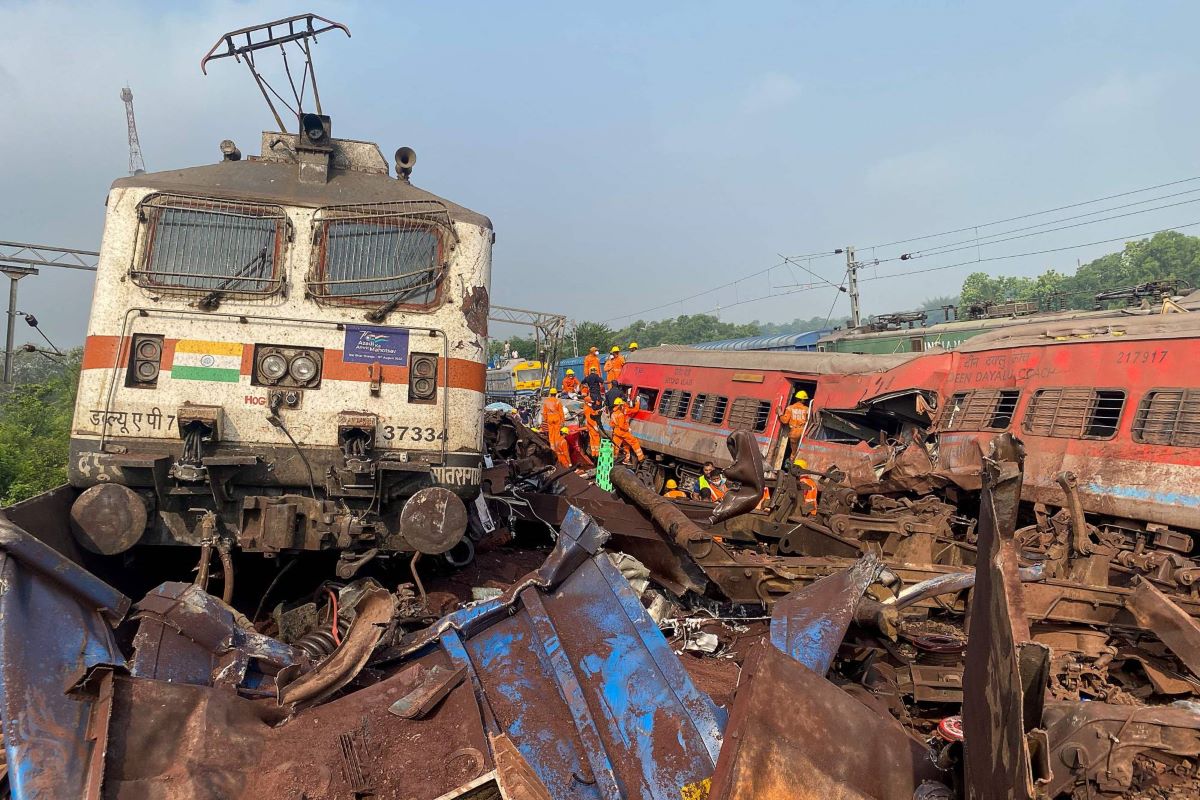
point(749, 414)
point(219, 247)
point(709, 408)
point(1170, 417)
point(980, 410)
point(389, 253)
point(1077, 413)
point(674, 404)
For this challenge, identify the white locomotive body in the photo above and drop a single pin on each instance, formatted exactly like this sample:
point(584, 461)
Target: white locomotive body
point(285, 352)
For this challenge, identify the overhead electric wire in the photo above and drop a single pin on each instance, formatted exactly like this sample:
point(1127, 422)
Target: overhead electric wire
point(1126, 238)
point(981, 240)
point(1031, 214)
point(734, 282)
point(975, 244)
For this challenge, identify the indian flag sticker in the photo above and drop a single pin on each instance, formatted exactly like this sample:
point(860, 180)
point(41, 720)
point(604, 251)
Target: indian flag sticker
point(207, 361)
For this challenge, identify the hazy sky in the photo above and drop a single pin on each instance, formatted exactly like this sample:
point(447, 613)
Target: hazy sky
point(631, 154)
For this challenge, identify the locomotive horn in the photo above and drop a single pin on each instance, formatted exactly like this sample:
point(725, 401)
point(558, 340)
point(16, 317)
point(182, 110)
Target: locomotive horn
point(406, 157)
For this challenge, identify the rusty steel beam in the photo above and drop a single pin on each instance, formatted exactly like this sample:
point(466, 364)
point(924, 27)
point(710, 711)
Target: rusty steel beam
point(662, 511)
point(1156, 612)
point(1006, 673)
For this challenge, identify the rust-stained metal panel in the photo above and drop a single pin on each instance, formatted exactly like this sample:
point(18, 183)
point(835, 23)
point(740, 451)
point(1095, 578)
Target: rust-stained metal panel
point(56, 626)
point(1156, 612)
point(1005, 677)
point(810, 623)
point(793, 735)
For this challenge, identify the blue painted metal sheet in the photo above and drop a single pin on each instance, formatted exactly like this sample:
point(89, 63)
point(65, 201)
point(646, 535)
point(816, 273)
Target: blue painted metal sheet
point(786, 341)
point(560, 369)
point(568, 664)
point(54, 625)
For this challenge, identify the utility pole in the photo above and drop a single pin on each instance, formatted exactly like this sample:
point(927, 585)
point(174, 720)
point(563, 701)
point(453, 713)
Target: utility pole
point(18, 259)
point(852, 281)
point(14, 274)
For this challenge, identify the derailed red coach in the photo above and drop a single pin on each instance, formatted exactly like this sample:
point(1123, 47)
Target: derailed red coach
point(1116, 402)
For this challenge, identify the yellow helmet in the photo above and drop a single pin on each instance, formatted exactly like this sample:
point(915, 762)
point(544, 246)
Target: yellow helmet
point(633, 345)
point(801, 395)
point(618, 402)
point(801, 463)
point(570, 372)
point(553, 391)
point(565, 429)
point(671, 484)
point(615, 349)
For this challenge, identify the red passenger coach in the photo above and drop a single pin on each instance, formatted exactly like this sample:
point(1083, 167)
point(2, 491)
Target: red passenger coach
point(1116, 403)
point(689, 400)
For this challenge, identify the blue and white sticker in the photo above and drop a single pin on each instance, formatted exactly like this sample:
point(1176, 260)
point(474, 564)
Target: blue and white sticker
point(368, 345)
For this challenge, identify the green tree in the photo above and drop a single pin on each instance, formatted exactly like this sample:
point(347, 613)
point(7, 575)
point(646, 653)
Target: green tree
point(35, 428)
point(595, 334)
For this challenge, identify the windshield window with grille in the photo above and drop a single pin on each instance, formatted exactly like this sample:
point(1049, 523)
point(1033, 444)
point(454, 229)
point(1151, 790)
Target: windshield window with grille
point(210, 246)
point(385, 260)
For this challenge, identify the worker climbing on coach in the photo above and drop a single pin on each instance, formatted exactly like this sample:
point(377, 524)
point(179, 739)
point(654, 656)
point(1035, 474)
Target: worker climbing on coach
point(591, 361)
point(808, 489)
point(795, 417)
point(622, 437)
point(570, 384)
point(633, 347)
point(614, 365)
point(553, 417)
point(562, 449)
point(673, 492)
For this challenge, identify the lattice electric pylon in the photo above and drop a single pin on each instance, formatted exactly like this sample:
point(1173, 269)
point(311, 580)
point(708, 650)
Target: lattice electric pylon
point(136, 165)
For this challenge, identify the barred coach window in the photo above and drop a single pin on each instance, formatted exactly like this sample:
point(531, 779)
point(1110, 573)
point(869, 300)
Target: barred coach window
point(219, 247)
point(384, 255)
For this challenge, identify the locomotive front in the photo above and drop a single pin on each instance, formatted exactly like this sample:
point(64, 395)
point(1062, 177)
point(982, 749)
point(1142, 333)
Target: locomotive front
point(284, 353)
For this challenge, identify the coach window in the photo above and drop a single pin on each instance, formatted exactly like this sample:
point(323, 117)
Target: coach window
point(380, 256)
point(1077, 413)
point(1169, 417)
point(709, 408)
point(213, 247)
point(646, 398)
point(750, 414)
point(980, 410)
point(666, 401)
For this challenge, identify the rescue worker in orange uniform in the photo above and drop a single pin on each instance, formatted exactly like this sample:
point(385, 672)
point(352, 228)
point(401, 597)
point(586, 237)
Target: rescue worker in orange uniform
point(795, 417)
point(622, 437)
point(808, 489)
point(591, 361)
point(673, 491)
point(570, 382)
point(562, 451)
point(633, 347)
point(614, 365)
point(593, 406)
point(553, 417)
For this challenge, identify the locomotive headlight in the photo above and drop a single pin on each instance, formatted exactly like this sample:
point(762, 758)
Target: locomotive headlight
point(273, 367)
point(303, 368)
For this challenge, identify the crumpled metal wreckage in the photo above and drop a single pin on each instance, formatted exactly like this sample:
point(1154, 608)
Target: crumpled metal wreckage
point(561, 687)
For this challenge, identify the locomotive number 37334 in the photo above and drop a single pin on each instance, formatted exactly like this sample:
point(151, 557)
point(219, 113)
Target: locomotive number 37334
point(412, 434)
